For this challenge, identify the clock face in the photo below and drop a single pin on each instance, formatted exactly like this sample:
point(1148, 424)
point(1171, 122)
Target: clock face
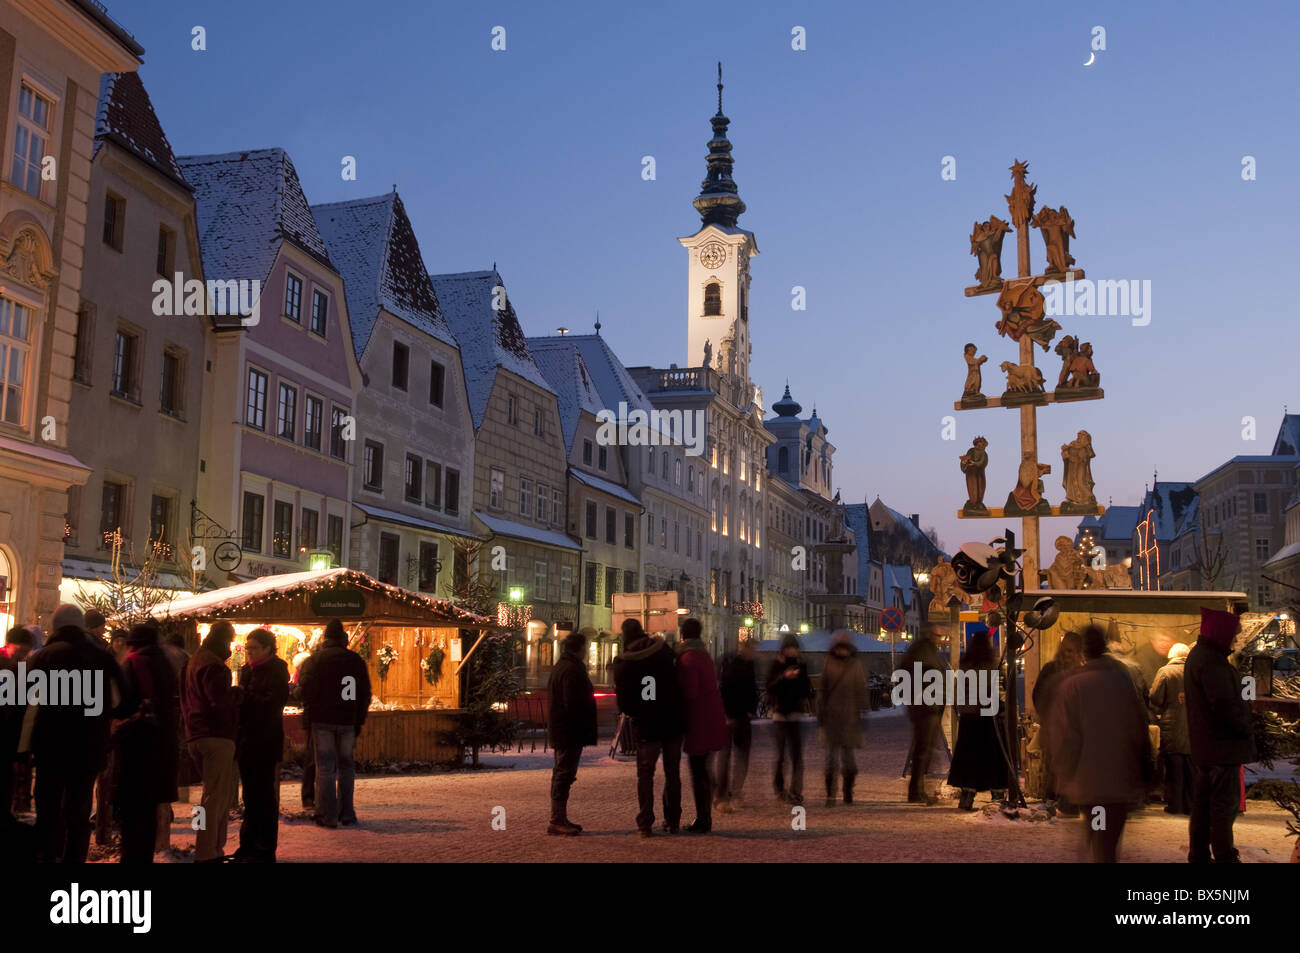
point(713, 255)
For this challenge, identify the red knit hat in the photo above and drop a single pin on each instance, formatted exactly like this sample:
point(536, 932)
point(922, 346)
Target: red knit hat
point(1219, 627)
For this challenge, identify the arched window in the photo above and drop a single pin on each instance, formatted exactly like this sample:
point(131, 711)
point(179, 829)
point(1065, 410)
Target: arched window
point(690, 479)
point(712, 299)
point(7, 596)
point(677, 473)
point(783, 460)
point(663, 459)
point(714, 509)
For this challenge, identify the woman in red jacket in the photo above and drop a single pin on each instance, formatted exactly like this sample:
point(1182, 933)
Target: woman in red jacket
point(706, 724)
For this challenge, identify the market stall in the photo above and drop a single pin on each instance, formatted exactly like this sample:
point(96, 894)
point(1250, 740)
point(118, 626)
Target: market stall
point(412, 644)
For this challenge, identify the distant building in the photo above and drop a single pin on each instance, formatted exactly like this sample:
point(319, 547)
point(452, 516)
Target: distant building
point(1112, 531)
point(411, 480)
point(275, 472)
point(1281, 574)
point(871, 577)
point(520, 488)
point(138, 369)
point(52, 54)
point(1160, 514)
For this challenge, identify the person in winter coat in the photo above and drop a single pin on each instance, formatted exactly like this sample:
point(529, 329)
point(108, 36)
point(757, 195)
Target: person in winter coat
point(571, 722)
point(336, 709)
point(645, 682)
point(926, 719)
point(70, 737)
point(739, 689)
point(1168, 702)
point(259, 745)
point(1068, 659)
point(843, 697)
point(790, 690)
point(210, 706)
point(146, 742)
point(978, 763)
point(1100, 746)
point(173, 646)
point(706, 724)
point(15, 772)
point(1220, 731)
point(308, 790)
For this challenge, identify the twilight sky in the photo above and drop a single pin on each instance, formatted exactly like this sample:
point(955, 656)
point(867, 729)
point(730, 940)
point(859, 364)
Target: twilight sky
point(532, 158)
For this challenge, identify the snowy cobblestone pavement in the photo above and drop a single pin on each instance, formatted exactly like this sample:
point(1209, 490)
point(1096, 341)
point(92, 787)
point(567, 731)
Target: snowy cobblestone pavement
point(448, 817)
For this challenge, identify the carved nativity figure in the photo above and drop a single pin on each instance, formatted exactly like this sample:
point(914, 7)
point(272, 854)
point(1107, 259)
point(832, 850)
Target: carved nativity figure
point(1067, 570)
point(943, 587)
point(1057, 228)
point(973, 463)
point(1027, 497)
point(1077, 480)
point(1024, 314)
point(1022, 378)
point(974, 377)
point(986, 245)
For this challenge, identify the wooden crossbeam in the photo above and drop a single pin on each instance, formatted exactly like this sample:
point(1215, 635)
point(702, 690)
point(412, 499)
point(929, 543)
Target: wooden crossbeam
point(1074, 274)
point(997, 513)
point(1044, 398)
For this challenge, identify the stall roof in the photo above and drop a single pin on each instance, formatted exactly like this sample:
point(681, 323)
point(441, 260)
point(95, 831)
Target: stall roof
point(819, 640)
point(235, 600)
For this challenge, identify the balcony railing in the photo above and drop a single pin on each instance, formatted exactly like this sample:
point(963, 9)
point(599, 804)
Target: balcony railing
point(680, 378)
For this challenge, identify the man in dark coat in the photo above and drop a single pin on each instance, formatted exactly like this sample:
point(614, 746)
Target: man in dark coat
point(210, 705)
point(1100, 745)
point(926, 719)
point(739, 687)
point(1222, 740)
point(1168, 702)
point(147, 747)
point(335, 687)
point(645, 682)
point(69, 735)
point(790, 690)
point(706, 724)
point(572, 724)
point(259, 745)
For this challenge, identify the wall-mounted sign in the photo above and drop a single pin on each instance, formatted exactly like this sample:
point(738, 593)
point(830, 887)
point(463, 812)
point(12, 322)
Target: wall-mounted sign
point(227, 556)
point(338, 602)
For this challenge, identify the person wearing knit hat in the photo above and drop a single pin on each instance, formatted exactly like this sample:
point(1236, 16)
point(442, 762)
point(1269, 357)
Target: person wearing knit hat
point(1221, 737)
point(211, 712)
point(95, 623)
point(1168, 702)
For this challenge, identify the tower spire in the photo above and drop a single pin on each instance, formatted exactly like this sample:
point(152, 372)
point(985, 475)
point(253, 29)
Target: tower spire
point(719, 200)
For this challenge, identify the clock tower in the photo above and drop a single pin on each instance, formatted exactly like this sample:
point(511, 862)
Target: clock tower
point(717, 296)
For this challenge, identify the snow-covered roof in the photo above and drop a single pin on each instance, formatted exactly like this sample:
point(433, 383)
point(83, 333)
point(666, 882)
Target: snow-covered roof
point(605, 486)
point(415, 522)
point(1166, 500)
point(574, 389)
point(1286, 552)
point(248, 203)
point(490, 339)
point(125, 115)
point(537, 534)
point(93, 569)
point(900, 578)
point(1288, 436)
point(855, 515)
point(1116, 523)
point(373, 245)
point(296, 583)
point(1189, 522)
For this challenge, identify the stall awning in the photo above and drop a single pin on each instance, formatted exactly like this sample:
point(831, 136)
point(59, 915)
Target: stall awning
point(412, 522)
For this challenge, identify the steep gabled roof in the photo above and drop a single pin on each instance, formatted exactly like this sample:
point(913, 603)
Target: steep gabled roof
point(248, 203)
point(1167, 501)
point(568, 376)
point(490, 338)
point(125, 116)
point(373, 245)
point(1288, 436)
point(855, 515)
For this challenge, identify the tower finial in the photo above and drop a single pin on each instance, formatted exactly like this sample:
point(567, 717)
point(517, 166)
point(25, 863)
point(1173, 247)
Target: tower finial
point(598, 324)
point(719, 87)
point(719, 200)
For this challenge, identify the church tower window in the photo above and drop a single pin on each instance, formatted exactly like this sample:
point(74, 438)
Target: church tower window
point(712, 299)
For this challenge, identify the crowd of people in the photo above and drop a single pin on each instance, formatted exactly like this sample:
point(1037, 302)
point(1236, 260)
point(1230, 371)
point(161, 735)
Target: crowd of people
point(1096, 704)
point(164, 717)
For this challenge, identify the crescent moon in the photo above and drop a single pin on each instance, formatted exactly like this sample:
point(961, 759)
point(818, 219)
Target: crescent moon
point(1091, 56)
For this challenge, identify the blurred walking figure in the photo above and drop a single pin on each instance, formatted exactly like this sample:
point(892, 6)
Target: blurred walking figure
point(789, 690)
point(739, 689)
point(264, 689)
point(210, 705)
point(1221, 736)
point(978, 762)
point(645, 682)
point(706, 724)
point(1100, 746)
point(105, 785)
point(840, 703)
point(926, 719)
point(572, 724)
point(70, 745)
point(1169, 703)
point(147, 746)
point(1068, 659)
point(336, 710)
point(12, 833)
point(173, 646)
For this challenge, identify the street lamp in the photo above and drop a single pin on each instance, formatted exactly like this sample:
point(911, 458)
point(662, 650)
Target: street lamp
point(803, 627)
point(516, 594)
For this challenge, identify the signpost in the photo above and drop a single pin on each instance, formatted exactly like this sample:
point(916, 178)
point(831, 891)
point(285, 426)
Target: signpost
point(891, 620)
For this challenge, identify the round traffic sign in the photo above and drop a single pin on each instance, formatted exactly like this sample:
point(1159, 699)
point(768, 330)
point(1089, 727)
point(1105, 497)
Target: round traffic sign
point(891, 620)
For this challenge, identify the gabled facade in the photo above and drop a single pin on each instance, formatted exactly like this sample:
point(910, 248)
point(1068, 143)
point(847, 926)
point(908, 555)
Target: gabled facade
point(52, 54)
point(785, 581)
point(871, 581)
point(138, 368)
point(519, 495)
point(280, 433)
point(411, 482)
point(1159, 515)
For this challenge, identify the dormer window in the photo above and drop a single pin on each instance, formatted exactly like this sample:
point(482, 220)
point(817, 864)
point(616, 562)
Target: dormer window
point(712, 299)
